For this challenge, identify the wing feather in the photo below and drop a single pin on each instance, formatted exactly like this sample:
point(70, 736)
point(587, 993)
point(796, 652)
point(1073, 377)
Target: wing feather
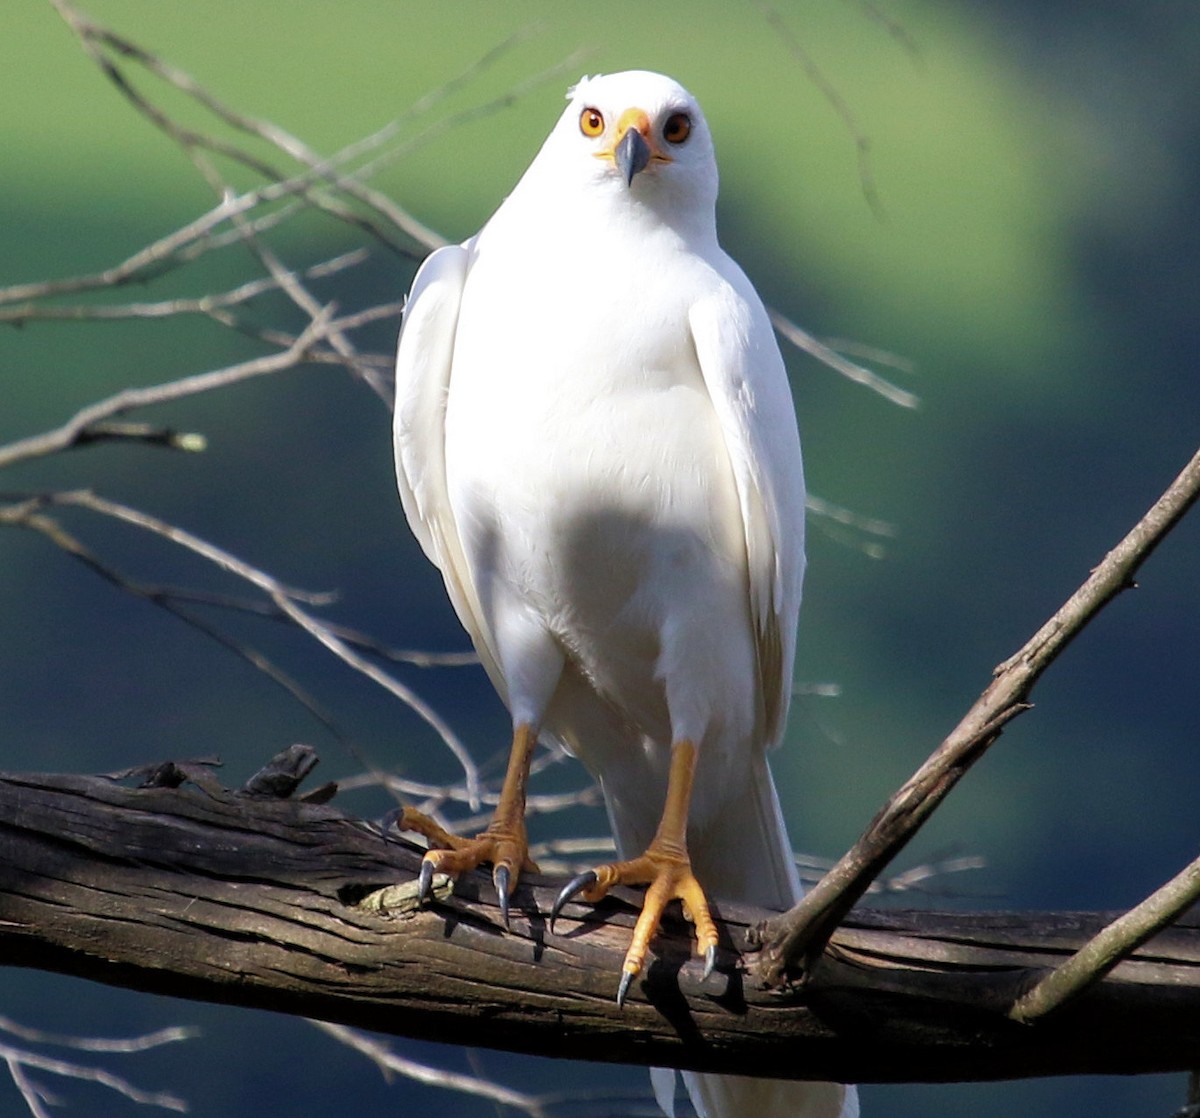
point(747, 382)
point(424, 364)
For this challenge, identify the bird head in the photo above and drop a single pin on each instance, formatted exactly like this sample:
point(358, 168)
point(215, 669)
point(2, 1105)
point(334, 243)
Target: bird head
point(640, 123)
point(634, 134)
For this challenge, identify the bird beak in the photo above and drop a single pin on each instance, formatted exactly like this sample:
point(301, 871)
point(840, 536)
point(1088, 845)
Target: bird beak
point(631, 155)
point(633, 150)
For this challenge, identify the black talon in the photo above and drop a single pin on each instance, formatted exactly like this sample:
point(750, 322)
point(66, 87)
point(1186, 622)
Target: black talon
point(623, 989)
point(425, 880)
point(391, 819)
point(573, 888)
point(710, 960)
point(500, 880)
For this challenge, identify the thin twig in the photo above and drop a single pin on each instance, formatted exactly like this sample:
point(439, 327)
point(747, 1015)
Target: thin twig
point(206, 305)
point(71, 432)
point(892, 26)
point(141, 1043)
point(802, 339)
point(793, 942)
point(287, 600)
point(851, 347)
point(26, 514)
point(1112, 944)
point(293, 286)
point(871, 525)
point(94, 38)
point(418, 658)
point(835, 100)
point(31, 1094)
point(18, 1060)
point(847, 527)
point(175, 248)
point(152, 259)
point(392, 1063)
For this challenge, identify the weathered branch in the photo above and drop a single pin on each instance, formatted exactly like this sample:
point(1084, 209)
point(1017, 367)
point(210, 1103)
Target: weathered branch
point(207, 894)
point(794, 941)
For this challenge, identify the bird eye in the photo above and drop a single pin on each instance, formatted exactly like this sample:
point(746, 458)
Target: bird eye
point(678, 128)
point(591, 122)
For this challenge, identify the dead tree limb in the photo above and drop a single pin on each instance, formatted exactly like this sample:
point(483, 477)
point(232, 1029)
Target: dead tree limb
point(254, 900)
point(794, 941)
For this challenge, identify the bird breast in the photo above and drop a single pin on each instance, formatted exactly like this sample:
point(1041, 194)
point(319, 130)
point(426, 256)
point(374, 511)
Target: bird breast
point(590, 481)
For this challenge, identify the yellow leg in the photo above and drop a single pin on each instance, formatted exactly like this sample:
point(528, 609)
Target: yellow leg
point(504, 843)
point(665, 868)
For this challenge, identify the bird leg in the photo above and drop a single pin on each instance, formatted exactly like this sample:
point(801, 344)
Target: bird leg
point(664, 867)
point(504, 843)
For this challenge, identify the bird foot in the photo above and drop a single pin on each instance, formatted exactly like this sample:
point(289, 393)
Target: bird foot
point(503, 844)
point(667, 872)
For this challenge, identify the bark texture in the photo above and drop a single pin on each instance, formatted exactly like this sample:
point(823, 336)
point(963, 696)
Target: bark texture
point(254, 898)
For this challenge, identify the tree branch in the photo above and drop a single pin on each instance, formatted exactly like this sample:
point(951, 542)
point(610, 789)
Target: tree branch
point(202, 893)
point(76, 429)
point(794, 941)
point(1108, 947)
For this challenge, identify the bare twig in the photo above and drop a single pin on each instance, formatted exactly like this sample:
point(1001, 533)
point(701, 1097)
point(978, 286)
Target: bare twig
point(835, 100)
point(802, 339)
point(1110, 946)
point(892, 26)
point(323, 171)
point(391, 1063)
point(848, 527)
point(153, 259)
point(141, 1043)
point(20, 1061)
point(75, 429)
point(794, 941)
point(293, 286)
point(95, 38)
point(211, 305)
point(851, 347)
point(287, 600)
point(356, 638)
point(27, 514)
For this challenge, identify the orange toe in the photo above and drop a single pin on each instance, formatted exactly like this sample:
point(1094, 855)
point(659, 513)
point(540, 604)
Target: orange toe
point(503, 844)
point(668, 875)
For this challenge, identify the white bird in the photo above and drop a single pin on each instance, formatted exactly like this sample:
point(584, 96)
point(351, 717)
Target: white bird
point(596, 445)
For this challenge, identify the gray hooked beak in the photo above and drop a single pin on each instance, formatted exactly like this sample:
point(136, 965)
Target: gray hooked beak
point(632, 154)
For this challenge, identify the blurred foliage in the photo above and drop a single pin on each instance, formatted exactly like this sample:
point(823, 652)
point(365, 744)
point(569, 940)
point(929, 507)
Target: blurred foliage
point(1034, 255)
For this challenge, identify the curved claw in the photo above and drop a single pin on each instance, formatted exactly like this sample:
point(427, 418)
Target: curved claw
point(627, 977)
point(390, 821)
point(710, 959)
point(500, 878)
point(578, 884)
point(425, 880)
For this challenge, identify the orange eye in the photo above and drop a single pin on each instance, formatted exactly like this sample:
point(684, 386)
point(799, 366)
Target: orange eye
point(678, 128)
point(591, 122)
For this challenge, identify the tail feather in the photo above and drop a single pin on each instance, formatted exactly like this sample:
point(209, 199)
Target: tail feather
point(734, 1096)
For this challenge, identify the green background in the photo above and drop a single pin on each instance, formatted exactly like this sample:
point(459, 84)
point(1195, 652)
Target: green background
point(1035, 258)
